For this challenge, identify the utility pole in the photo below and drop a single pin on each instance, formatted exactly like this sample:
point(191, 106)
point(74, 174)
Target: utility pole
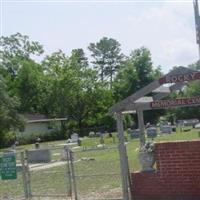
point(197, 23)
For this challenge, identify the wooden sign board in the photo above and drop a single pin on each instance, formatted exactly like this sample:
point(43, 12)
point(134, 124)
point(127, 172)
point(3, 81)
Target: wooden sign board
point(180, 78)
point(175, 102)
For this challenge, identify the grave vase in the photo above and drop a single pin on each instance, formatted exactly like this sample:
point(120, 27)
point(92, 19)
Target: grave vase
point(147, 160)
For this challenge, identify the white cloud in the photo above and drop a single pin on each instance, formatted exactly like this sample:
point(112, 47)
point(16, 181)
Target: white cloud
point(169, 35)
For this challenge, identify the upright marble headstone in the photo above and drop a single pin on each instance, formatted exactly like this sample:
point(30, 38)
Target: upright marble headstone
point(135, 133)
point(166, 129)
point(151, 132)
point(74, 137)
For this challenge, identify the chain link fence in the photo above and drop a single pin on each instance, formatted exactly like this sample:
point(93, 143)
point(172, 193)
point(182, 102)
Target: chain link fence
point(79, 174)
point(97, 173)
point(50, 180)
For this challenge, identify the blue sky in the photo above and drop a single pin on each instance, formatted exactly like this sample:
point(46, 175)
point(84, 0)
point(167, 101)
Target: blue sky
point(165, 27)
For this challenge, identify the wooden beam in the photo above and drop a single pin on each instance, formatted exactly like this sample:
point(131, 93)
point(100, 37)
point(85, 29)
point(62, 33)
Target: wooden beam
point(121, 106)
point(141, 126)
point(123, 156)
point(174, 87)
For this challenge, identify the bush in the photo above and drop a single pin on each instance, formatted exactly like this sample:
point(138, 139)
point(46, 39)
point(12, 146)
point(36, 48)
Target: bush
point(7, 139)
point(31, 138)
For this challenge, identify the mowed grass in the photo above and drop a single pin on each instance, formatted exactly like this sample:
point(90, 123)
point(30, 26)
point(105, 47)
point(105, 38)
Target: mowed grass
point(95, 177)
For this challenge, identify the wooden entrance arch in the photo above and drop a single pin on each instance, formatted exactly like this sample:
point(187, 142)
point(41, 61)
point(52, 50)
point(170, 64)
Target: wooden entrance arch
point(138, 102)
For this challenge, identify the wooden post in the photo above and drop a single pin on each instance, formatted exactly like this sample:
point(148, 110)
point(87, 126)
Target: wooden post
point(141, 126)
point(123, 157)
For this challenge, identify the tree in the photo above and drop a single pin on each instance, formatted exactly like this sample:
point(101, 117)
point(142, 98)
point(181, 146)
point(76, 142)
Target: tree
point(29, 87)
point(78, 59)
point(15, 49)
point(54, 64)
point(137, 72)
point(9, 118)
point(141, 60)
point(107, 57)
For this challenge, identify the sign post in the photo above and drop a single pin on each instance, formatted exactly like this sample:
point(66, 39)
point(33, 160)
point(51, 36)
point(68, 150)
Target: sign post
point(8, 169)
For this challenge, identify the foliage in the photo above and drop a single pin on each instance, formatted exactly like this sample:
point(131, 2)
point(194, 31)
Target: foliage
point(74, 87)
point(31, 138)
point(107, 57)
point(15, 49)
point(9, 118)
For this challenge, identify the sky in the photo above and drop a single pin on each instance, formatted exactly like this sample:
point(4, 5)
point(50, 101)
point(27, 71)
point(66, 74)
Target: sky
point(166, 28)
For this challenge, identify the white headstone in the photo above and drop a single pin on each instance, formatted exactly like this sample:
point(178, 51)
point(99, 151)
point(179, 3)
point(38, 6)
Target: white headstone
point(166, 129)
point(74, 137)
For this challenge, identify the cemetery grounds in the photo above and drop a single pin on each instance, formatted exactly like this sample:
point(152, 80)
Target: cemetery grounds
point(97, 171)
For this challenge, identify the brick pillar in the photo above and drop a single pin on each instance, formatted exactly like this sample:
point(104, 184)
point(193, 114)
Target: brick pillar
point(177, 176)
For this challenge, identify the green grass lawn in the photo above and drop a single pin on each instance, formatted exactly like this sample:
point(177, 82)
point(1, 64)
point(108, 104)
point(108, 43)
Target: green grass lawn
point(96, 177)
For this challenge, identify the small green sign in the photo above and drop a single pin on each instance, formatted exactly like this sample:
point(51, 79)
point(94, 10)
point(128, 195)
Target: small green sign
point(8, 167)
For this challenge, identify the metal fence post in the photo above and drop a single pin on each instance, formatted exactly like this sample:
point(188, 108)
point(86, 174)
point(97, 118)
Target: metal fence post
point(68, 171)
point(28, 175)
point(73, 175)
point(24, 176)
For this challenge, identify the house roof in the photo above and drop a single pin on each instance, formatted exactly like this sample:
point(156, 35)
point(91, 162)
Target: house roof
point(37, 118)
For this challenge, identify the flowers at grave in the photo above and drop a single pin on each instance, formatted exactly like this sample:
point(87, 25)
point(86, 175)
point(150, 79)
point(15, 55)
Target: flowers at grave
point(148, 147)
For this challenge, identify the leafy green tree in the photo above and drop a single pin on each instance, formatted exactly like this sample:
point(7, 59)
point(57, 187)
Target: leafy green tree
point(54, 64)
point(9, 118)
point(15, 49)
point(78, 59)
point(137, 72)
point(141, 60)
point(107, 57)
point(29, 86)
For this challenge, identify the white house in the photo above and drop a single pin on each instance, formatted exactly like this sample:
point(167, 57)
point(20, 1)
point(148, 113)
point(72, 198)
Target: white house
point(37, 123)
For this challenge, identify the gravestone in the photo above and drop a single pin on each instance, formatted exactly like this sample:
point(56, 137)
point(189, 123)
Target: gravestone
point(91, 134)
point(39, 156)
point(134, 133)
point(98, 134)
point(197, 126)
point(74, 137)
point(166, 129)
point(8, 167)
point(151, 132)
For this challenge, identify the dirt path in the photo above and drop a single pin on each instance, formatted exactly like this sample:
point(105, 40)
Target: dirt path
point(36, 167)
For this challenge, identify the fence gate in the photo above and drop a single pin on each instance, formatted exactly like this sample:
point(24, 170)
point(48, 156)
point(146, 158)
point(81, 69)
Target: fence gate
point(96, 174)
point(90, 174)
point(51, 180)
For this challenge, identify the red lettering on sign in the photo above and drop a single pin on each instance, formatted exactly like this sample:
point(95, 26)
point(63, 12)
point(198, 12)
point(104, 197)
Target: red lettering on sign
point(175, 102)
point(179, 78)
